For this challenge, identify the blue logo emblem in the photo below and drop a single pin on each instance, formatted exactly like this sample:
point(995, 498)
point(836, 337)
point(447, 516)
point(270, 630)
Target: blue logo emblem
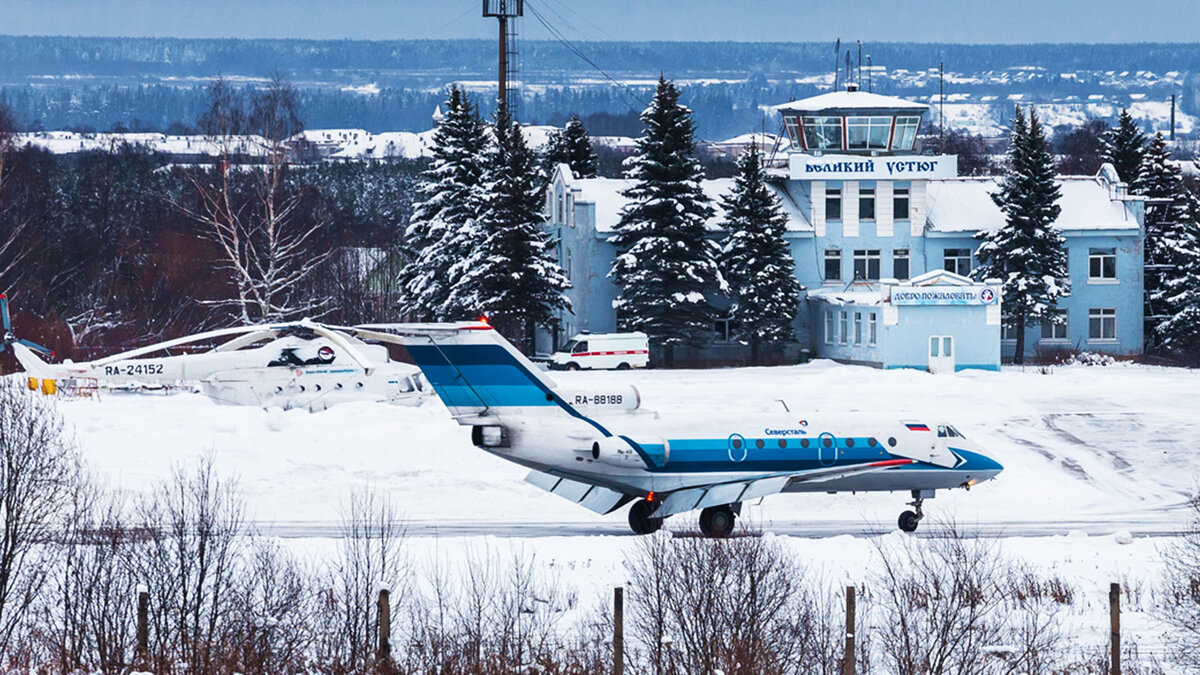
point(988, 296)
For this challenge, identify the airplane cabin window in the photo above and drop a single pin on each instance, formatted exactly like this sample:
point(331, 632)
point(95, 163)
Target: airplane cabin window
point(783, 442)
point(892, 442)
point(804, 442)
point(759, 444)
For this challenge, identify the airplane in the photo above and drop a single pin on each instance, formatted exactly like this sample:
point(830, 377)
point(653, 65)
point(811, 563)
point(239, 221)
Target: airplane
point(599, 448)
point(304, 365)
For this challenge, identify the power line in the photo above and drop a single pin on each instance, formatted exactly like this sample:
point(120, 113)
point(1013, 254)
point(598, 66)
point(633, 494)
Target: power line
point(577, 52)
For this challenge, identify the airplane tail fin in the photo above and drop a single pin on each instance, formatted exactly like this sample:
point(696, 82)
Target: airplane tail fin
point(474, 370)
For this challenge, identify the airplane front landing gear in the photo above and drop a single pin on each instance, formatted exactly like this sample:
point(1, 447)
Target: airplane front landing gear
point(639, 518)
point(910, 519)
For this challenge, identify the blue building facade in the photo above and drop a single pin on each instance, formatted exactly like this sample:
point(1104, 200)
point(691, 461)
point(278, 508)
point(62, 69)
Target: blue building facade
point(887, 238)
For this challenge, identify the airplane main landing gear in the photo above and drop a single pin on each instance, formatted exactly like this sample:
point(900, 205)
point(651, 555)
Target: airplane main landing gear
point(718, 521)
point(910, 519)
point(639, 518)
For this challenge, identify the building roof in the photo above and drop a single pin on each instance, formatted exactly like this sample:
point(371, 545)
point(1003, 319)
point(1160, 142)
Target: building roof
point(605, 193)
point(965, 205)
point(851, 100)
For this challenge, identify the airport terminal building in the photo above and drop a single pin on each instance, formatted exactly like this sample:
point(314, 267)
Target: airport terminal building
point(883, 240)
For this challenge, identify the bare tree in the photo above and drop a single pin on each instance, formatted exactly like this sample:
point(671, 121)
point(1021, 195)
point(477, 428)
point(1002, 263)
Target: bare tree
point(253, 212)
point(39, 472)
point(1180, 593)
point(13, 245)
point(370, 557)
point(194, 528)
point(942, 599)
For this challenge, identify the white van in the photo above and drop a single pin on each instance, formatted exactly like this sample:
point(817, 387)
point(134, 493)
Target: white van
point(603, 351)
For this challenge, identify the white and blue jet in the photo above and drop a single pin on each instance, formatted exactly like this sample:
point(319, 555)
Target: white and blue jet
point(602, 451)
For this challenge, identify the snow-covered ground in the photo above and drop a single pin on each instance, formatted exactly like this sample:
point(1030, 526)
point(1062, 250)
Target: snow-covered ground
point(1091, 454)
point(1101, 445)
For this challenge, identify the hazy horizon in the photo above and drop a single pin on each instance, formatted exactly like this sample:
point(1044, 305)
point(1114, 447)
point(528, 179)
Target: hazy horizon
point(933, 21)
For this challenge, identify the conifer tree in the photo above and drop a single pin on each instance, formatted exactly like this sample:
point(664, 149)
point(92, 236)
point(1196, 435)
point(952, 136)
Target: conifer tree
point(571, 145)
point(1170, 238)
point(756, 260)
point(1124, 146)
point(510, 274)
point(1027, 253)
point(450, 192)
point(666, 266)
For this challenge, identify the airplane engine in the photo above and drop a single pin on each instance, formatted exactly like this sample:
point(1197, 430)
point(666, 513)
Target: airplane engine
point(619, 451)
point(613, 399)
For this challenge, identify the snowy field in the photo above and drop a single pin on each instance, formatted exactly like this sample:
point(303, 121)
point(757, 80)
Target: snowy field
point(1098, 465)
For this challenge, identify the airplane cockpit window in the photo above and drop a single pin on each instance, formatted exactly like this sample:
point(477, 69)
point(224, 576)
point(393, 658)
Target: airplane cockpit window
point(947, 431)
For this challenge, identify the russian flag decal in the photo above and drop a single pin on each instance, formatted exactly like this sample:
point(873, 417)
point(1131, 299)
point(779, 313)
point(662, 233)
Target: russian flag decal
point(916, 426)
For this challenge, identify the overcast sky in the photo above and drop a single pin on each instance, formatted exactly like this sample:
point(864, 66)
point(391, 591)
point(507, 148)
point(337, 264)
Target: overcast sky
point(974, 21)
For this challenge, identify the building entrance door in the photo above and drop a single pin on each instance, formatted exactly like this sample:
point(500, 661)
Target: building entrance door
point(941, 354)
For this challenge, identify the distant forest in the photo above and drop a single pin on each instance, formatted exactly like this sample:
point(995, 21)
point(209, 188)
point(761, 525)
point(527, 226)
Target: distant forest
point(157, 84)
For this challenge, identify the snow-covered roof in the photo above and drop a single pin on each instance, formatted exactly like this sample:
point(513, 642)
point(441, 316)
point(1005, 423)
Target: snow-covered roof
point(852, 100)
point(855, 295)
point(965, 205)
point(605, 193)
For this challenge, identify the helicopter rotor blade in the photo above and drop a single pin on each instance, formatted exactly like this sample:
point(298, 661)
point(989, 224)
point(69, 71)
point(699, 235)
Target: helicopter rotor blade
point(36, 347)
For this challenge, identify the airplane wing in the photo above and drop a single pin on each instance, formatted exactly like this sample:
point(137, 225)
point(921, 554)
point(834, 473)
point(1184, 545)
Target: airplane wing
point(593, 497)
point(743, 490)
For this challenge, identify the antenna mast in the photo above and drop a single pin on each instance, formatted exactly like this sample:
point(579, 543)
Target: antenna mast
point(506, 72)
point(837, 52)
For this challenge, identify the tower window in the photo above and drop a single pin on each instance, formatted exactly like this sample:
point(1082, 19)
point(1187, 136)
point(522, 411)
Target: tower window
point(900, 264)
point(866, 264)
point(900, 203)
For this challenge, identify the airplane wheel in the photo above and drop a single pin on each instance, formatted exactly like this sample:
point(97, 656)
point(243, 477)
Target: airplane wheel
point(639, 518)
point(908, 521)
point(717, 521)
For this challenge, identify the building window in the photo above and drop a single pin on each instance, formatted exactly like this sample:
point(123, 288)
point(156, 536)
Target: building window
point(900, 267)
point(725, 330)
point(833, 265)
point(858, 328)
point(1102, 323)
point(843, 326)
point(866, 264)
point(568, 265)
point(1056, 330)
point(823, 133)
point(958, 260)
point(830, 328)
point(866, 204)
point(872, 331)
point(863, 133)
point(900, 204)
point(833, 204)
point(1102, 264)
point(792, 124)
point(906, 132)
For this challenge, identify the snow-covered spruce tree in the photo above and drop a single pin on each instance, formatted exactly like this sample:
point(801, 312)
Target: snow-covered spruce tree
point(510, 273)
point(756, 261)
point(1123, 147)
point(450, 197)
point(1027, 253)
point(666, 267)
point(1170, 248)
point(572, 146)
